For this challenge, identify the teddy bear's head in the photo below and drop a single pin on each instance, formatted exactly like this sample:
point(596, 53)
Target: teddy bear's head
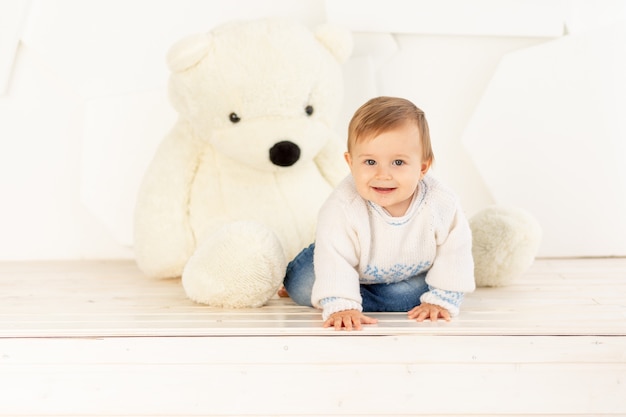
point(263, 93)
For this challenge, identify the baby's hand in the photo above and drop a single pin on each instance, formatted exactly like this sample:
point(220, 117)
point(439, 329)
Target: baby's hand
point(349, 319)
point(432, 311)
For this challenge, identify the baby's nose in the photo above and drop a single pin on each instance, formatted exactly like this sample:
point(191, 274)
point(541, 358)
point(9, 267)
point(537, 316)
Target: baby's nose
point(383, 172)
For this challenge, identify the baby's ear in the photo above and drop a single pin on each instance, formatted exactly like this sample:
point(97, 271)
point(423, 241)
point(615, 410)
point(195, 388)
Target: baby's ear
point(348, 158)
point(336, 39)
point(188, 51)
point(426, 166)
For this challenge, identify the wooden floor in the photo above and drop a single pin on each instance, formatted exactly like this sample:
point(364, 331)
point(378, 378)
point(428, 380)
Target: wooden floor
point(99, 339)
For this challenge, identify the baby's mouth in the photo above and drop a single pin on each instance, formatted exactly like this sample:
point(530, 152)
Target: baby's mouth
point(383, 189)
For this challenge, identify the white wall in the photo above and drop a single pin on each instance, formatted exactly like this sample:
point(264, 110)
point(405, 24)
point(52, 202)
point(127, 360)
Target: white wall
point(83, 104)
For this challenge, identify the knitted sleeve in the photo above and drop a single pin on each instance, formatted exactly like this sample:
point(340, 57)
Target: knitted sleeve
point(450, 300)
point(333, 305)
point(336, 256)
point(453, 268)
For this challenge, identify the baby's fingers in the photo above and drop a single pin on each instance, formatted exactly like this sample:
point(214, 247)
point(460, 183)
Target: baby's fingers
point(341, 321)
point(349, 319)
point(329, 322)
point(419, 315)
point(423, 312)
point(348, 322)
point(444, 314)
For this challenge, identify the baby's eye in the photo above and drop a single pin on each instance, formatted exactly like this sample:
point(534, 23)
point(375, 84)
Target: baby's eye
point(309, 110)
point(369, 162)
point(398, 162)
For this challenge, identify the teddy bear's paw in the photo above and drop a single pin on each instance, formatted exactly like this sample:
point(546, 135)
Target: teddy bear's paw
point(241, 265)
point(505, 243)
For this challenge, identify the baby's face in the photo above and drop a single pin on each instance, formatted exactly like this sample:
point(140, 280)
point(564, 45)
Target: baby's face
point(388, 167)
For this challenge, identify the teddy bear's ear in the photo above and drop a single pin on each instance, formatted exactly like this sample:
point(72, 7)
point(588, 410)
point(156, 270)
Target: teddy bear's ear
point(336, 39)
point(188, 51)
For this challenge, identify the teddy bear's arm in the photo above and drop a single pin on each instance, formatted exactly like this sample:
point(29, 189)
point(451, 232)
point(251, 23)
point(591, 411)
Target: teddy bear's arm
point(331, 162)
point(164, 240)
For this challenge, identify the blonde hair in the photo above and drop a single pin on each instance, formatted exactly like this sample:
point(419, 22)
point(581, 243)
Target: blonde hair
point(381, 114)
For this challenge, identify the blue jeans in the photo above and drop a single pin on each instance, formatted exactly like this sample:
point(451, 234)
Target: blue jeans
point(398, 296)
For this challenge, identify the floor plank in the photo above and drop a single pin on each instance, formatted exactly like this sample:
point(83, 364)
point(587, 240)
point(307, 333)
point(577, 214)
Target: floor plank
point(367, 375)
point(98, 338)
point(113, 298)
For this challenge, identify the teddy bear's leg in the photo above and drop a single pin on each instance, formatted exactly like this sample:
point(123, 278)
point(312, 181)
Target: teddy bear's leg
point(505, 243)
point(241, 265)
point(163, 239)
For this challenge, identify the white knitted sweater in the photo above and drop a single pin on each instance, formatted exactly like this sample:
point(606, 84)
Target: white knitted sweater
point(358, 242)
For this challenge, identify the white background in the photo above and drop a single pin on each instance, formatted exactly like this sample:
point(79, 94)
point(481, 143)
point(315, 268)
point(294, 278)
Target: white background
point(525, 100)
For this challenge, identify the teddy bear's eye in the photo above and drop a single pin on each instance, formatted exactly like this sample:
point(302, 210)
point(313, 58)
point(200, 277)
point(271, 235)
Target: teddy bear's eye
point(308, 110)
point(234, 118)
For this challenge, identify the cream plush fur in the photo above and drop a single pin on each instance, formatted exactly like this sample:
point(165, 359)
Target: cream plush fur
point(505, 241)
point(213, 207)
point(234, 189)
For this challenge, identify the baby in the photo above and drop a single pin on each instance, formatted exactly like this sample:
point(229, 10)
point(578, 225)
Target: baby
point(390, 237)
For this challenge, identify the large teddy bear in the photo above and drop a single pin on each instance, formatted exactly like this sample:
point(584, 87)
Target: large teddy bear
point(233, 191)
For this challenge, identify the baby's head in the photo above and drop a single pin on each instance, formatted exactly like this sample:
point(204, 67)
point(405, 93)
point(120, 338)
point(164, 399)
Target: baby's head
point(389, 152)
point(381, 114)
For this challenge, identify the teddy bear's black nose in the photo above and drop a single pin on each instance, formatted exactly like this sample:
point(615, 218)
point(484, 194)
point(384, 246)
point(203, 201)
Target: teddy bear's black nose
point(284, 153)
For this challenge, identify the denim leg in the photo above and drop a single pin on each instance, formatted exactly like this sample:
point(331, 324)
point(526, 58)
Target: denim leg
point(300, 276)
point(399, 296)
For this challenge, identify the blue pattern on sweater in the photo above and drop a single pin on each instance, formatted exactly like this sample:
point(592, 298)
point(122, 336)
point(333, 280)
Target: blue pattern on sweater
point(451, 297)
point(398, 272)
point(327, 300)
